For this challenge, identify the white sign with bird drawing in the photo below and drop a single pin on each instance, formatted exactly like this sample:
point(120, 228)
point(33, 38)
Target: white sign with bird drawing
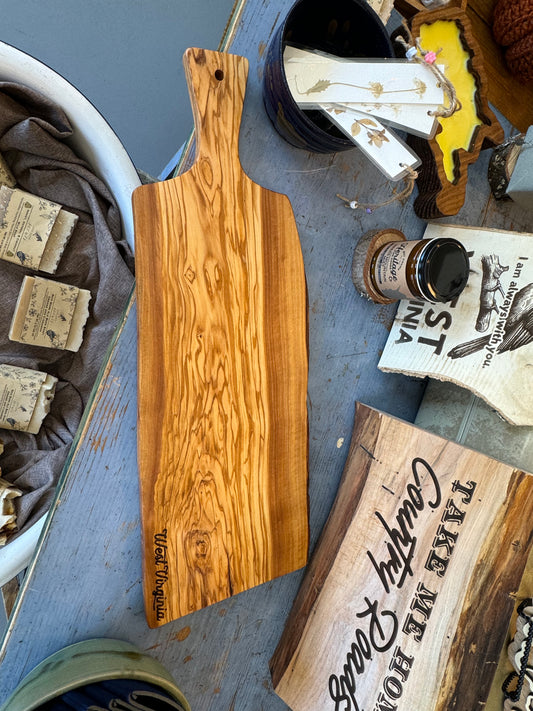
point(483, 340)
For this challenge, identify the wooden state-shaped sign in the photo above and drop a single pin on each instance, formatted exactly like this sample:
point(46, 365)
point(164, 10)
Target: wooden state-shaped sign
point(407, 600)
point(456, 145)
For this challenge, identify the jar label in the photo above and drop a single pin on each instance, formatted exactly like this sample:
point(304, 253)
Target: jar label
point(390, 271)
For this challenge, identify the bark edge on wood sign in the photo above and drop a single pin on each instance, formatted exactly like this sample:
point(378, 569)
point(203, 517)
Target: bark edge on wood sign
point(407, 599)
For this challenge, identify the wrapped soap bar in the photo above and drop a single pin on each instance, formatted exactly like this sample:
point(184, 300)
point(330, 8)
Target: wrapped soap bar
point(50, 314)
point(8, 516)
point(25, 398)
point(6, 176)
point(33, 231)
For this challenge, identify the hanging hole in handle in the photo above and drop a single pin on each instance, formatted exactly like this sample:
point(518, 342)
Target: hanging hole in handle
point(219, 74)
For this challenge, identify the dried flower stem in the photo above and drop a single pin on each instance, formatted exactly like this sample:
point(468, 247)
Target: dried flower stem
point(401, 196)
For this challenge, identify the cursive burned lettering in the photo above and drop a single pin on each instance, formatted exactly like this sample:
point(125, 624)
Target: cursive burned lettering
point(401, 544)
point(159, 600)
point(381, 631)
point(377, 629)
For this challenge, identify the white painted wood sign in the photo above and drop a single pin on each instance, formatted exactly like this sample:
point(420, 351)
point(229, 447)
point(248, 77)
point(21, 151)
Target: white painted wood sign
point(416, 119)
point(383, 147)
point(406, 602)
point(329, 80)
point(484, 340)
point(413, 118)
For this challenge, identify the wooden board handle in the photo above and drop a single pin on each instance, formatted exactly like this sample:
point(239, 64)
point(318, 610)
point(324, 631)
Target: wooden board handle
point(217, 85)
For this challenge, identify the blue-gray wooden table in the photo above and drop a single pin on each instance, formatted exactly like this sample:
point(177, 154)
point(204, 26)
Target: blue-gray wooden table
point(85, 579)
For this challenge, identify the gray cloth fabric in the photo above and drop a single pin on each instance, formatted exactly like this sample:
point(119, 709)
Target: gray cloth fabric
point(34, 141)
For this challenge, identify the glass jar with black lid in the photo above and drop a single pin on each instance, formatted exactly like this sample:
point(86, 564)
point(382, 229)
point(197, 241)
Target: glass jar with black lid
point(434, 270)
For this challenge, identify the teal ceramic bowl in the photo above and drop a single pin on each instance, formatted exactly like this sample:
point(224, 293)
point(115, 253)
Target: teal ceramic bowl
point(89, 662)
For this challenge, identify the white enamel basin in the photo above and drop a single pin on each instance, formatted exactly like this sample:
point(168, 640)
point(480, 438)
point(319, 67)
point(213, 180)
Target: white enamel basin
point(95, 141)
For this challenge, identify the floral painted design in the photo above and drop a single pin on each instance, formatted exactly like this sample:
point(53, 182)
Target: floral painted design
point(376, 136)
point(376, 88)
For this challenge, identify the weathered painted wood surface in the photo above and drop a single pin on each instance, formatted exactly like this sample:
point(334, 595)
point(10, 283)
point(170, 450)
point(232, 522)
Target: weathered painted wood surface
point(86, 579)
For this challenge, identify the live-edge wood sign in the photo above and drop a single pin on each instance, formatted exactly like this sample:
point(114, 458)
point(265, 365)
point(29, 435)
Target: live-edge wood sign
point(408, 596)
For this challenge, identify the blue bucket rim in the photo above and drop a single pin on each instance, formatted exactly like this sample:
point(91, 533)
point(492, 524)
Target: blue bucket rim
point(277, 46)
point(34, 690)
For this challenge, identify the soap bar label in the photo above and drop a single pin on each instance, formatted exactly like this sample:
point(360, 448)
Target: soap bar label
point(19, 390)
point(25, 226)
point(6, 176)
point(49, 314)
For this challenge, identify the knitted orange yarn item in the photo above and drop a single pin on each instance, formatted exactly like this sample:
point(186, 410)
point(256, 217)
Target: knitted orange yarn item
point(512, 20)
point(519, 58)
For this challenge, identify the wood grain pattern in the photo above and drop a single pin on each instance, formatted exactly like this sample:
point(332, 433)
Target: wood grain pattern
point(364, 252)
point(490, 599)
point(408, 8)
point(366, 429)
point(222, 421)
point(438, 196)
point(408, 595)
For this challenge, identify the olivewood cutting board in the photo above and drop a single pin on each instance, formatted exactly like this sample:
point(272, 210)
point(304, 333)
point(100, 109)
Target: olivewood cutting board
point(222, 366)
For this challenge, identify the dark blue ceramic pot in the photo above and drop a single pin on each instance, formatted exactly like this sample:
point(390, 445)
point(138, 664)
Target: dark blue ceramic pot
point(346, 28)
